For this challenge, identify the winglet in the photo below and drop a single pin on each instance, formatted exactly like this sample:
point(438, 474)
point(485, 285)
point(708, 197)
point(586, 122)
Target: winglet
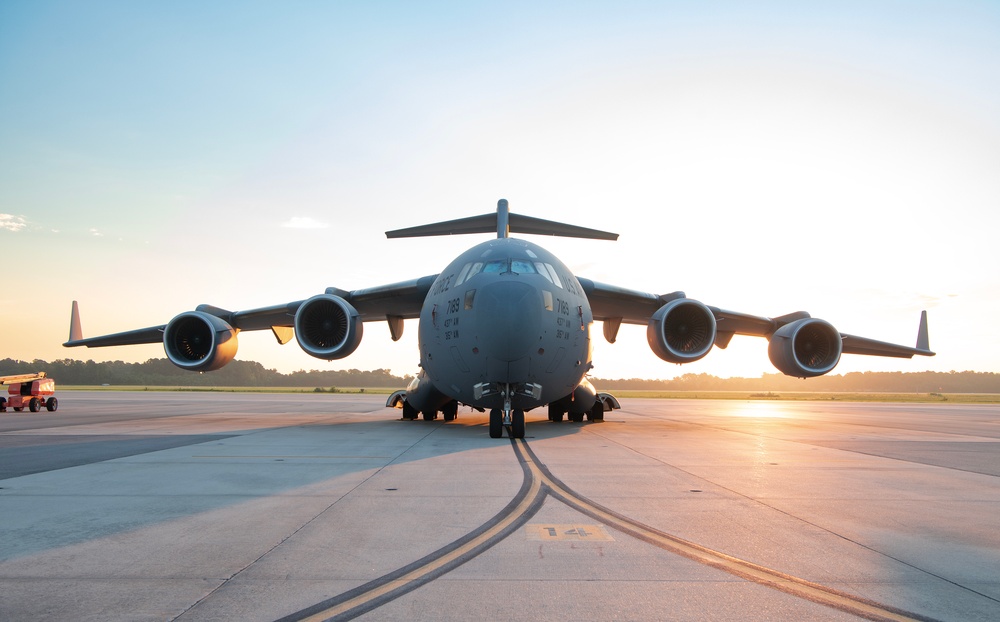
point(75, 331)
point(923, 341)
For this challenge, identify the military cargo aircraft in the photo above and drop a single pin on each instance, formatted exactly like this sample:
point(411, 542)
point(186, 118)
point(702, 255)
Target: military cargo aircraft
point(504, 327)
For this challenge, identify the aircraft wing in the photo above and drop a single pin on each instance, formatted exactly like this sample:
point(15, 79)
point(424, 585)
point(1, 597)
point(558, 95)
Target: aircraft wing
point(616, 305)
point(393, 303)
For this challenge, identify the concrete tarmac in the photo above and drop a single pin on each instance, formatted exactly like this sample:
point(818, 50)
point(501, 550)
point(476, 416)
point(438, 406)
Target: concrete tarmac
point(218, 506)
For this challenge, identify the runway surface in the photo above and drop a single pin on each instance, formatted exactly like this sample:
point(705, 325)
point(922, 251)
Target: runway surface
point(214, 506)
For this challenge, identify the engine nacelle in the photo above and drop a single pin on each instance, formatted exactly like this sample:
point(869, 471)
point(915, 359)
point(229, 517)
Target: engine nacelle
point(328, 327)
point(198, 341)
point(805, 348)
point(681, 331)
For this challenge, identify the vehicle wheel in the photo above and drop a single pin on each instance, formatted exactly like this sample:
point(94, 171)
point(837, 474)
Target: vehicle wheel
point(18, 409)
point(3, 404)
point(496, 423)
point(517, 424)
point(52, 404)
point(34, 405)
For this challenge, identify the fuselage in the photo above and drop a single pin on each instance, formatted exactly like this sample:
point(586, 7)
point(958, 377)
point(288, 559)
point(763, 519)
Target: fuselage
point(505, 317)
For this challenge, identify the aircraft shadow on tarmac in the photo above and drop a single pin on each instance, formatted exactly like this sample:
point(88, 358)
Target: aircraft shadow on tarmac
point(85, 488)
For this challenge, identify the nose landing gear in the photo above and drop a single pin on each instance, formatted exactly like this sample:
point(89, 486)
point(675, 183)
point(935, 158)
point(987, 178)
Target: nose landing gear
point(512, 419)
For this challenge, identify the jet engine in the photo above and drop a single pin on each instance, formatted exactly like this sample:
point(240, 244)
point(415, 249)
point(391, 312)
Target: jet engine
point(681, 331)
point(328, 327)
point(198, 341)
point(805, 348)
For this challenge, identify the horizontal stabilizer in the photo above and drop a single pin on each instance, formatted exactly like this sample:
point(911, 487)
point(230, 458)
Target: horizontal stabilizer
point(503, 223)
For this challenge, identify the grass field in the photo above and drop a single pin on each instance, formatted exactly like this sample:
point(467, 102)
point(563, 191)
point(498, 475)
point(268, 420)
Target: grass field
point(954, 398)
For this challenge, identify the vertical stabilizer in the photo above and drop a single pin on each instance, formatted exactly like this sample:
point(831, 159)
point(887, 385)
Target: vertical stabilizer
point(503, 219)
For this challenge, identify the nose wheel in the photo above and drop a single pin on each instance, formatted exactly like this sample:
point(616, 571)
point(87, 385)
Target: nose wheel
point(512, 419)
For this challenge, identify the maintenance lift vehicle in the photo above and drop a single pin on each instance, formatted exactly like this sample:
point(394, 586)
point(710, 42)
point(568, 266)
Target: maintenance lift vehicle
point(31, 390)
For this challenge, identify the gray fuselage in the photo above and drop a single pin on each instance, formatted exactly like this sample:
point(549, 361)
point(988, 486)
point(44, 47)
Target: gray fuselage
point(505, 316)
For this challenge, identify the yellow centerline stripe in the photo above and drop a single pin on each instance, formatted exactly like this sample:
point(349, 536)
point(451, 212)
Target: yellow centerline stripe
point(541, 484)
point(733, 565)
point(435, 564)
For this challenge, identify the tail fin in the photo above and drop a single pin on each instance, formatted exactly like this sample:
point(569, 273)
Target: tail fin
point(504, 223)
point(75, 331)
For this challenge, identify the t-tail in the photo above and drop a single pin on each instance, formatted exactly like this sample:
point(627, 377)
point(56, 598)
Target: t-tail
point(504, 223)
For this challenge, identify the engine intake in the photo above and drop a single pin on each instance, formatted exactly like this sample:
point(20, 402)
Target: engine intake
point(198, 341)
point(805, 348)
point(328, 327)
point(681, 331)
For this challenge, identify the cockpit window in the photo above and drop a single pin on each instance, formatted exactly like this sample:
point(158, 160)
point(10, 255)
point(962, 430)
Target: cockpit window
point(555, 277)
point(540, 268)
point(517, 266)
point(496, 266)
point(464, 273)
point(522, 266)
point(476, 268)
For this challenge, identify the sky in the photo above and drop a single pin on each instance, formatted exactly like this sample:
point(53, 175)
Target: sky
point(841, 158)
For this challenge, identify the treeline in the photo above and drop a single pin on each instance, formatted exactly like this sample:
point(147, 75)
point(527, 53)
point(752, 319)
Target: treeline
point(854, 382)
point(161, 372)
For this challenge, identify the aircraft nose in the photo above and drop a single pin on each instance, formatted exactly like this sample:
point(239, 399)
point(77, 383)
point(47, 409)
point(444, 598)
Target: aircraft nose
point(509, 317)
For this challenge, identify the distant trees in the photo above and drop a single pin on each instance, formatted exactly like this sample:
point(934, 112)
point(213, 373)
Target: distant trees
point(855, 382)
point(161, 372)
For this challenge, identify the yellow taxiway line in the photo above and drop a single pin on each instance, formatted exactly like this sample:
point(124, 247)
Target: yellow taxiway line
point(540, 484)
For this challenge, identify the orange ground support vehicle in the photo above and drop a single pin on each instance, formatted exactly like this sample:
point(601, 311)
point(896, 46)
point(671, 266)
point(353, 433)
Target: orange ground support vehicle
point(31, 390)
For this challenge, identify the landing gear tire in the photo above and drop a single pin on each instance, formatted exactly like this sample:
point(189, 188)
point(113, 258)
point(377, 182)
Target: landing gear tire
point(496, 423)
point(430, 416)
point(409, 412)
point(555, 414)
point(596, 413)
point(517, 424)
point(450, 411)
point(576, 417)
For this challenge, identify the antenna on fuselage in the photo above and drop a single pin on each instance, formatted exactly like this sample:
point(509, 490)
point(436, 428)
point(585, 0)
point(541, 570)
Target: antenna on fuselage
point(504, 223)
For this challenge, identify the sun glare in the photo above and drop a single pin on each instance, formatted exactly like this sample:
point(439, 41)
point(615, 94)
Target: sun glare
point(760, 410)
